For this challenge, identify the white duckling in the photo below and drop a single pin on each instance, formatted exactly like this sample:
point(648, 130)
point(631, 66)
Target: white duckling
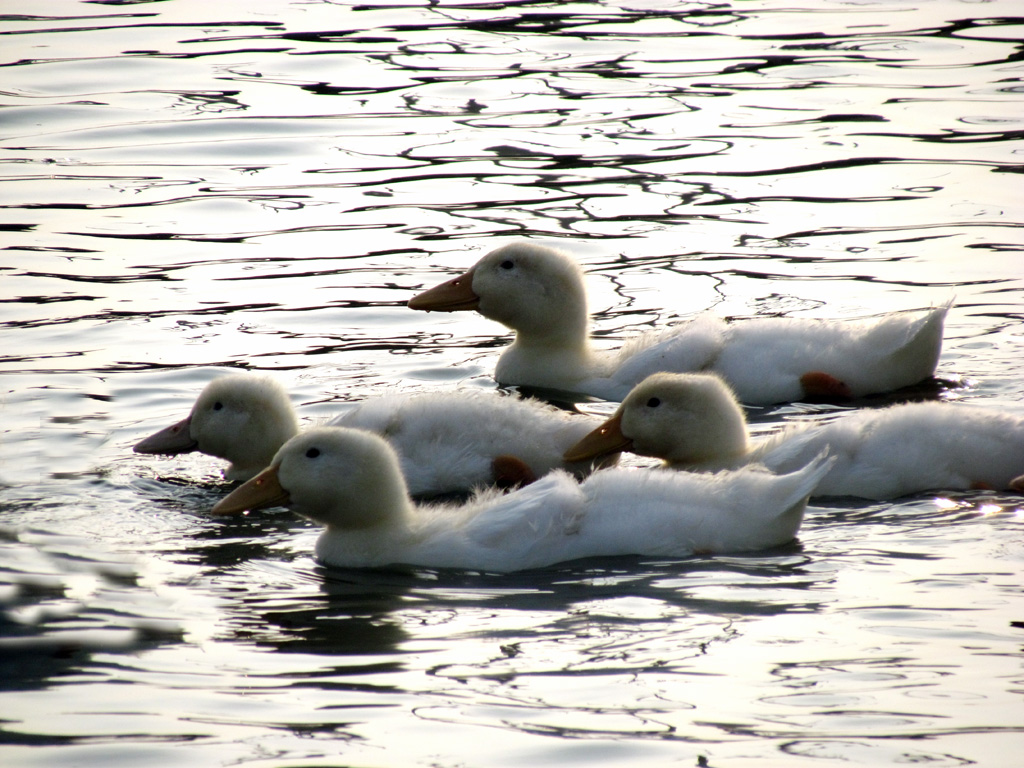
point(448, 441)
point(693, 422)
point(539, 293)
point(351, 482)
point(242, 419)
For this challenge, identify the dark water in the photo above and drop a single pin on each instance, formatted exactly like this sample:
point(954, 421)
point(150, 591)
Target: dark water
point(193, 187)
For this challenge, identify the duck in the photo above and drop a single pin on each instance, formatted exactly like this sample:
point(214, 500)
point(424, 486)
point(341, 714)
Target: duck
point(694, 422)
point(239, 418)
point(448, 441)
point(351, 482)
point(539, 293)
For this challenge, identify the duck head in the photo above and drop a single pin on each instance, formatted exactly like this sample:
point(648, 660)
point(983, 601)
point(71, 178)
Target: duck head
point(689, 419)
point(534, 290)
point(243, 419)
point(342, 478)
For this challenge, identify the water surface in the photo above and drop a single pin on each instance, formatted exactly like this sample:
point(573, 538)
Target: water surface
point(192, 188)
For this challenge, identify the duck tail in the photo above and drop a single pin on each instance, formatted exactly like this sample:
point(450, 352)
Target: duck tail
point(918, 353)
point(808, 477)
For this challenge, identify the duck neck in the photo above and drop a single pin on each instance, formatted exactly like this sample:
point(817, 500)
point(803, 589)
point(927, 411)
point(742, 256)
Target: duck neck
point(554, 360)
point(715, 463)
point(256, 449)
point(724, 444)
point(377, 509)
point(374, 544)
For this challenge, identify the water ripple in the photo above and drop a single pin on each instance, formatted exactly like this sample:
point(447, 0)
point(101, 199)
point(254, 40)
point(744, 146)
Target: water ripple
point(190, 192)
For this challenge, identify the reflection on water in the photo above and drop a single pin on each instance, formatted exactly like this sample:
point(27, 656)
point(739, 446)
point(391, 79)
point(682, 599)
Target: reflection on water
point(194, 189)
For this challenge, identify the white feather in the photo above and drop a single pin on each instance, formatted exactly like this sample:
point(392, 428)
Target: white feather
point(350, 481)
point(539, 293)
point(447, 441)
point(694, 422)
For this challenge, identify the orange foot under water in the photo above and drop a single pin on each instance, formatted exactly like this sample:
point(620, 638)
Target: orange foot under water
point(821, 384)
point(511, 472)
point(1016, 485)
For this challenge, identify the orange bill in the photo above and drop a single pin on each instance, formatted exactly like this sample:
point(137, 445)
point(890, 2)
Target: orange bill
point(455, 295)
point(169, 441)
point(264, 490)
point(606, 439)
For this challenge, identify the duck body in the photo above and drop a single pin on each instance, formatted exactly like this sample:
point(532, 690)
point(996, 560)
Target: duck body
point(539, 293)
point(766, 360)
point(448, 442)
point(350, 481)
point(905, 449)
point(694, 422)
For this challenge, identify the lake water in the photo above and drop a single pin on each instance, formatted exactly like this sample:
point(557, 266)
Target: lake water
point(191, 188)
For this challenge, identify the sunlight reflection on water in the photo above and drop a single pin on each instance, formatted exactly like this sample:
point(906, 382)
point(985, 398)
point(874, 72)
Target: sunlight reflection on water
point(192, 189)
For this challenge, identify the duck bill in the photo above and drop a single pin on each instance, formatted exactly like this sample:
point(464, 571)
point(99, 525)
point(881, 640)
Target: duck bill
point(455, 295)
point(169, 441)
point(603, 441)
point(264, 490)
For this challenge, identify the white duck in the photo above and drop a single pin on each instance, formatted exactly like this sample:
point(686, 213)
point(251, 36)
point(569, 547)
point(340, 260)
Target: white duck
point(539, 293)
point(448, 441)
point(693, 422)
point(242, 419)
point(350, 481)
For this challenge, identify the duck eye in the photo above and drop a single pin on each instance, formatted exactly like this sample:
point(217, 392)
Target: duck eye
point(507, 264)
point(653, 402)
point(312, 453)
point(218, 406)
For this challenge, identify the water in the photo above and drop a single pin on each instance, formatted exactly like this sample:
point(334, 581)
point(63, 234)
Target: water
point(192, 187)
